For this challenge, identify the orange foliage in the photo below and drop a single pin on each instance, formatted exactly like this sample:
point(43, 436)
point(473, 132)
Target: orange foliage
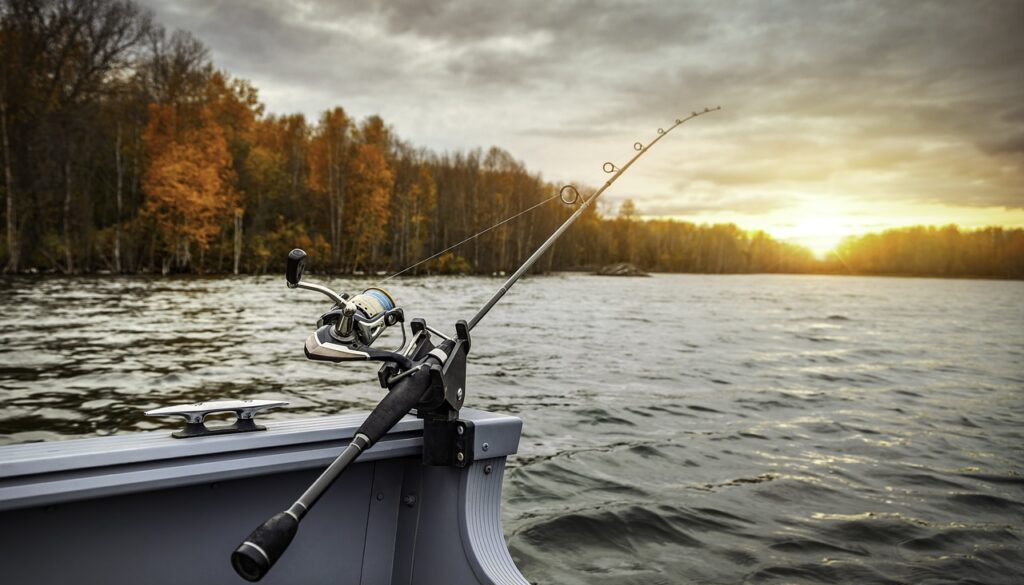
point(423, 203)
point(189, 179)
point(327, 151)
point(328, 156)
point(370, 186)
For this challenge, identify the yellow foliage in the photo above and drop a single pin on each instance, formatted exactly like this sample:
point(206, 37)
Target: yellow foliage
point(189, 181)
point(327, 151)
point(370, 192)
point(449, 263)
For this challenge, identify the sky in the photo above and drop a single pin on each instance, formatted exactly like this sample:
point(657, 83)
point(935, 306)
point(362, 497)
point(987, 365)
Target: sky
point(837, 118)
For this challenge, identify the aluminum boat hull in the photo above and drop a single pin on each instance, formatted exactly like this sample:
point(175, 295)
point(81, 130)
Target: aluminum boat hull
point(144, 508)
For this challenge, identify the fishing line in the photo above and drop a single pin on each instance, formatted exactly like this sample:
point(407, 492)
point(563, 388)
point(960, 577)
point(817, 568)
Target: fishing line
point(559, 195)
point(608, 167)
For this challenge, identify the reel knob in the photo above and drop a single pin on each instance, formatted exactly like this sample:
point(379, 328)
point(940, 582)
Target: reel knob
point(296, 264)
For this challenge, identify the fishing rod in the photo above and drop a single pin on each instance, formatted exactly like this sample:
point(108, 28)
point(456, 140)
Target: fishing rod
point(419, 374)
point(608, 167)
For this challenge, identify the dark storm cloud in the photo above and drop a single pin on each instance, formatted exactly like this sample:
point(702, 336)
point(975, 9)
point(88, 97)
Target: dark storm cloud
point(923, 97)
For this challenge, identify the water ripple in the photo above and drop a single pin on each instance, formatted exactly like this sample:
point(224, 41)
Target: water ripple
point(757, 429)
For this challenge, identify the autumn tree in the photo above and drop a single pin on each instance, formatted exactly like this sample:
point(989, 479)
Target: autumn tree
point(189, 183)
point(929, 250)
point(370, 188)
point(176, 69)
point(422, 204)
point(328, 172)
point(234, 107)
point(60, 58)
point(266, 178)
point(625, 230)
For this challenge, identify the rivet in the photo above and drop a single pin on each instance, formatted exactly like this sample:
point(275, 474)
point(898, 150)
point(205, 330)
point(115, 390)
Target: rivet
point(460, 429)
point(460, 456)
point(380, 496)
point(458, 393)
point(488, 469)
point(486, 446)
point(409, 500)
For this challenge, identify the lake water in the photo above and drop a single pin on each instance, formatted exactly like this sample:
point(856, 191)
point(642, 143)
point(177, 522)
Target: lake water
point(678, 429)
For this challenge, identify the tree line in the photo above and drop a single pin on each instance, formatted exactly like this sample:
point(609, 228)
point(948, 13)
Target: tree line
point(992, 252)
point(124, 149)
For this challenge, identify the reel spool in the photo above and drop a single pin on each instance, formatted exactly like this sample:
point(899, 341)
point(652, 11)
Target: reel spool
point(373, 314)
point(363, 317)
point(373, 301)
point(347, 331)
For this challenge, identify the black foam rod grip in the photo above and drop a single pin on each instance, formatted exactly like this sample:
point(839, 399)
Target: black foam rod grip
point(296, 263)
point(402, 398)
point(258, 553)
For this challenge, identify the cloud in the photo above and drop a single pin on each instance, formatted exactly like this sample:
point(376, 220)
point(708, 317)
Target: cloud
point(1010, 145)
point(914, 100)
point(672, 206)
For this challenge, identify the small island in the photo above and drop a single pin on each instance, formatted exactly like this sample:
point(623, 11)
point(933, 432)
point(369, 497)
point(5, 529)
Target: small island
point(621, 269)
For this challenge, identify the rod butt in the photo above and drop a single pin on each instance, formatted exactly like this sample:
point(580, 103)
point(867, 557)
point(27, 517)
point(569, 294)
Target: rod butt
point(253, 558)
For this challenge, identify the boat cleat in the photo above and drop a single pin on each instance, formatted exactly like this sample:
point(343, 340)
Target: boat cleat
point(195, 415)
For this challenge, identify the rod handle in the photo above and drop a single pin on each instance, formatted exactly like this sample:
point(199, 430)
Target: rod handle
point(253, 558)
point(402, 397)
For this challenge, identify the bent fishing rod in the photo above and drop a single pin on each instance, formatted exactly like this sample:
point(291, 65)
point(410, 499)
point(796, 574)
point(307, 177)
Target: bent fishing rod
point(419, 375)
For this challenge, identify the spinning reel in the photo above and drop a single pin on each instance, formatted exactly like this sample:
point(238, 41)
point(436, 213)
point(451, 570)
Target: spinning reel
point(346, 332)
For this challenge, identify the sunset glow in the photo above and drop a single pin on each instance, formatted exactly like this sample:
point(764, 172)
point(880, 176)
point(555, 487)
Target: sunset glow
point(821, 225)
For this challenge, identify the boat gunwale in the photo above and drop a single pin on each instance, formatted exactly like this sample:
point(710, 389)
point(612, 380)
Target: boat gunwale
point(95, 453)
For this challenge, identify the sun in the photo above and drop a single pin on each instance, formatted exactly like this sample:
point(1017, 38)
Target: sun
point(817, 223)
point(820, 234)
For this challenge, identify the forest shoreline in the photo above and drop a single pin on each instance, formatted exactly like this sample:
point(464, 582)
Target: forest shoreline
point(158, 161)
point(34, 273)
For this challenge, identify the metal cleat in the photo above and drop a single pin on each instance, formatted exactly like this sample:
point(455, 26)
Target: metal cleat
point(195, 414)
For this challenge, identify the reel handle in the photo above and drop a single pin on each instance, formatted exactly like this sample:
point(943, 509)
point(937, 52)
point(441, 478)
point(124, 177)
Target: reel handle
point(293, 276)
point(296, 264)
